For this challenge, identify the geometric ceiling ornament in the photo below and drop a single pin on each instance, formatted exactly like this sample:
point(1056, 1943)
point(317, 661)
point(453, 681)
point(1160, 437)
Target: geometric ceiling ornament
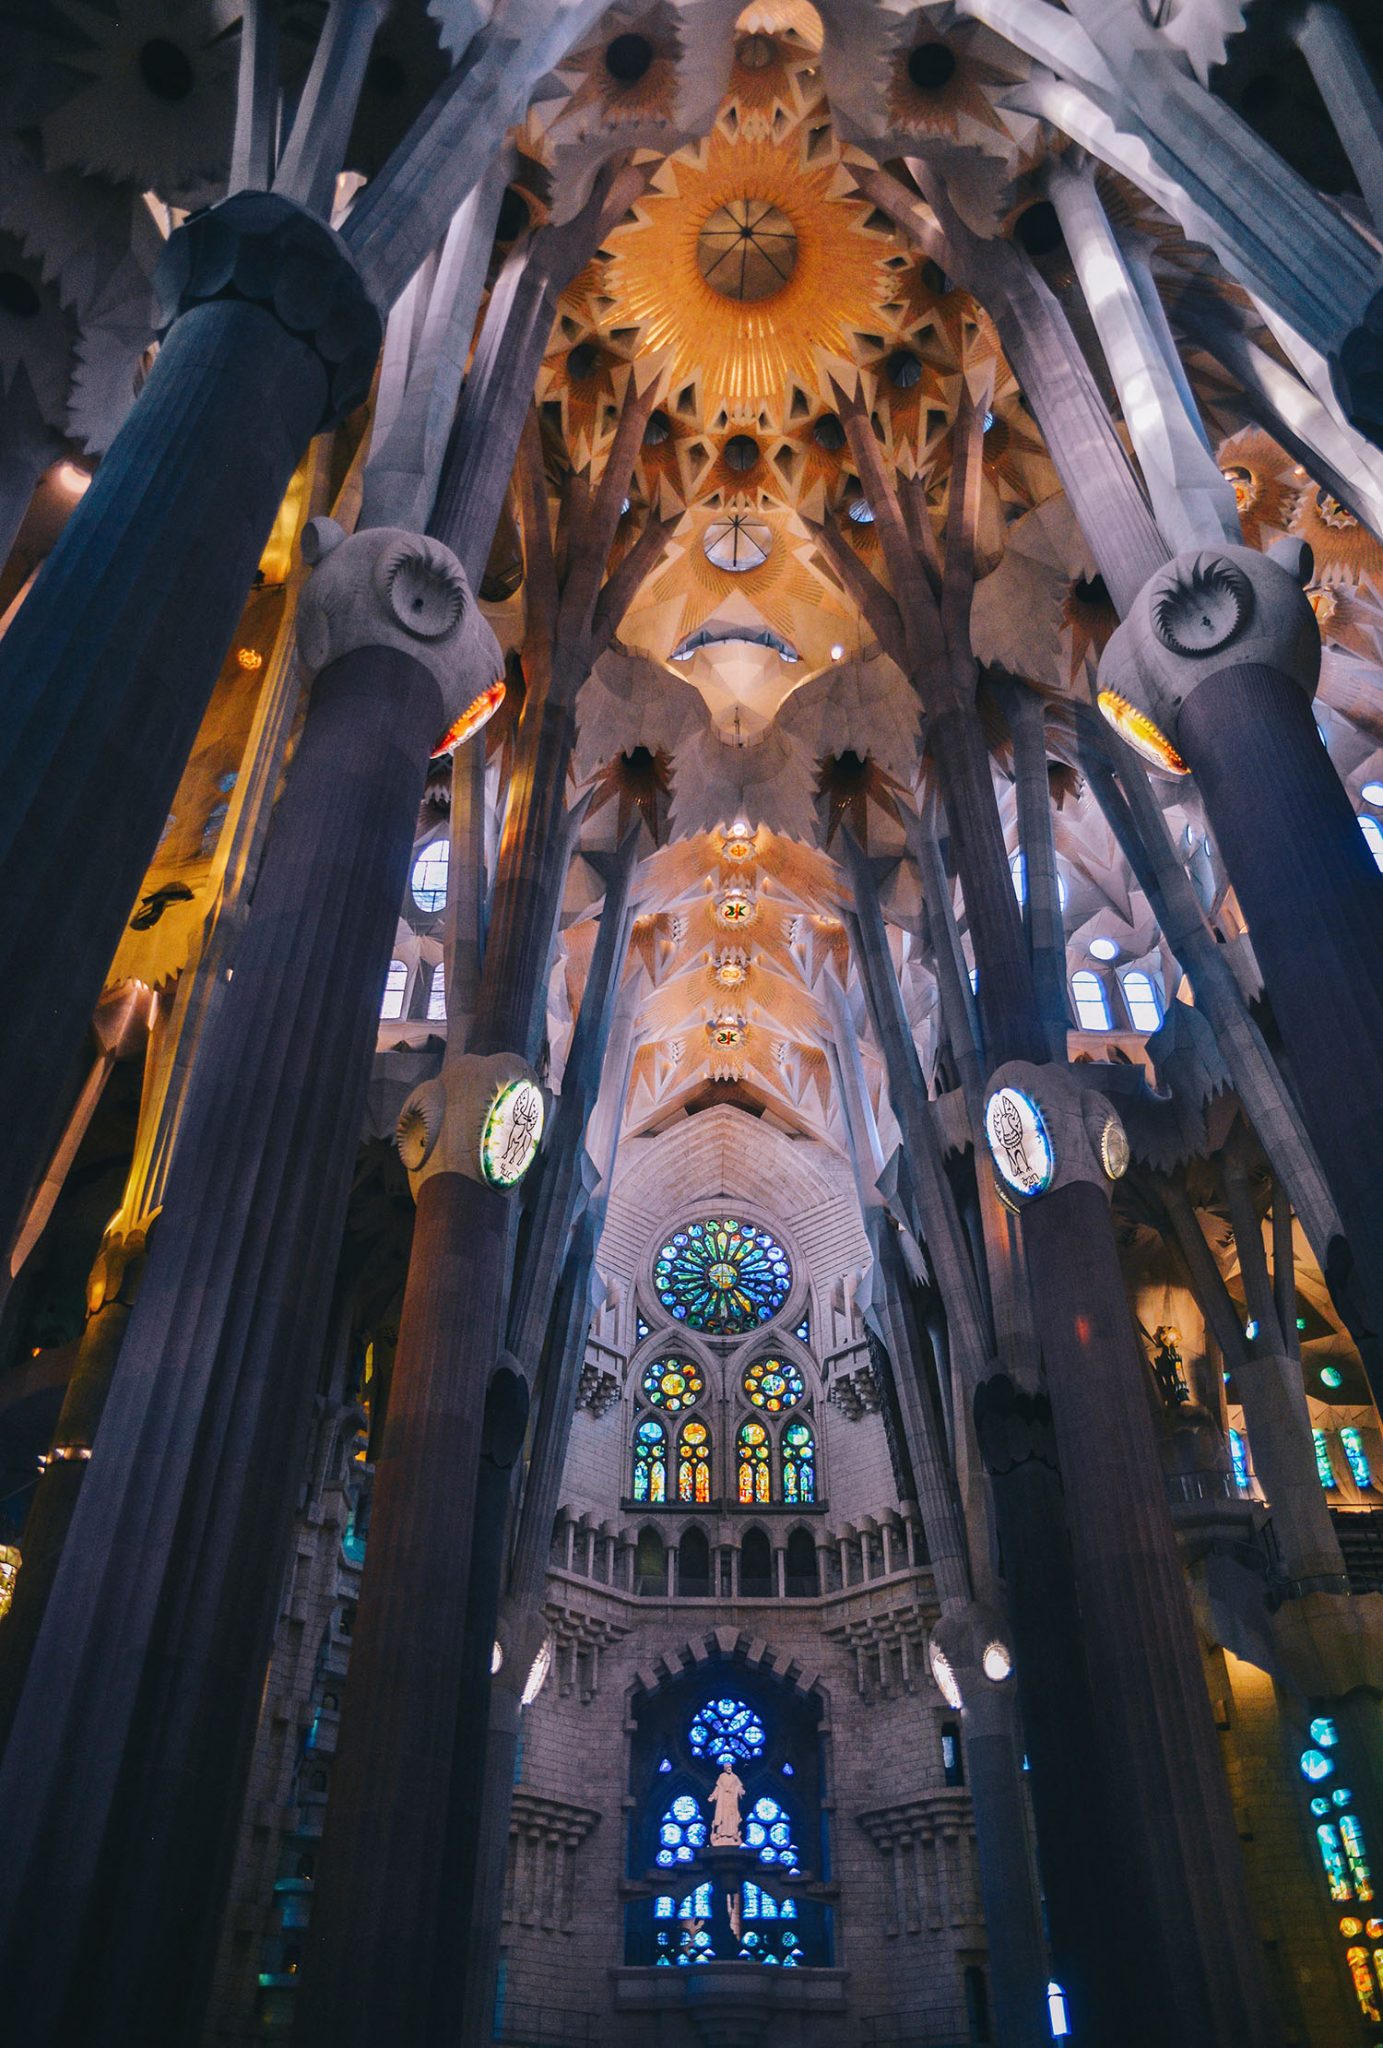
point(755, 218)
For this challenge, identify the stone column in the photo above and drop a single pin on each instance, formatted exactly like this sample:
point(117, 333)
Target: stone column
point(108, 666)
point(1220, 656)
point(1206, 1981)
point(1042, 912)
point(126, 1760)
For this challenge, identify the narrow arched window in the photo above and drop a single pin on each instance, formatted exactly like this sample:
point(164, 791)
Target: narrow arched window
point(395, 989)
point(799, 1463)
point(429, 880)
point(694, 1463)
point(650, 1563)
point(650, 1461)
point(437, 995)
point(694, 1565)
point(1373, 833)
point(952, 1760)
point(1092, 1004)
point(756, 1566)
point(754, 1479)
point(803, 1579)
point(1356, 1457)
point(1239, 1459)
point(1144, 1002)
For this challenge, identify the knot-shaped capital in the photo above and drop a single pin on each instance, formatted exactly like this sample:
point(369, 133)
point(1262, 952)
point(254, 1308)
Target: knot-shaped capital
point(1199, 615)
point(385, 587)
point(970, 1650)
point(482, 1117)
point(273, 253)
point(1045, 1131)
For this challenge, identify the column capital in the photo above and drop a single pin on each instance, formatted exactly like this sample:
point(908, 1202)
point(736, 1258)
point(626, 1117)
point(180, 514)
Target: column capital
point(386, 587)
point(481, 1117)
point(1198, 615)
point(261, 247)
point(1046, 1131)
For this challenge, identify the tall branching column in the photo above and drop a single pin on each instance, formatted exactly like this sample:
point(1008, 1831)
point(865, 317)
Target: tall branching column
point(105, 673)
point(1190, 1978)
point(127, 1755)
point(397, 1769)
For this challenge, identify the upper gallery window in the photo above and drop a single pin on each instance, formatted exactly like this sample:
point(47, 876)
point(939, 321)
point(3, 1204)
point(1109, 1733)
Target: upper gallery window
point(429, 881)
point(1143, 1001)
point(1092, 1004)
point(395, 989)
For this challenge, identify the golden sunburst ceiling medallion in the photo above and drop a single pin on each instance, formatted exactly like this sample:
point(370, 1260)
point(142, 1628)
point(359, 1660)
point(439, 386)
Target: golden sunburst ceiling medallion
point(748, 263)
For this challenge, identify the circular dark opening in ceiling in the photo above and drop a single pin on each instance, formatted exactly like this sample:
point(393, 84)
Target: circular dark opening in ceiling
point(828, 433)
point(904, 370)
point(18, 297)
point(1090, 590)
point(658, 430)
point(757, 52)
point(741, 452)
point(583, 361)
point(747, 250)
point(931, 65)
point(627, 58)
point(386, 76)
point(1038, 229)
point(166, 70)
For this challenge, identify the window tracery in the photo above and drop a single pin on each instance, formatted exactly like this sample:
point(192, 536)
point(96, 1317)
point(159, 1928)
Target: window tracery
point(650, 1461)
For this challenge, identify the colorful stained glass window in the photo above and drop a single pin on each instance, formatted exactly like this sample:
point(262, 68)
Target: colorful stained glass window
point(774, 1384)
point(1239, 1458)
point(726, 1732)
point(694, 1462)
point(1352, 1835)
point(1336, 1869)
point(769, 1830)
point(1324, 1732)
point(754, 1482)
point(1356, 1457)
point(799, 1463)
point(672, 1383)
point(722, 1276)
point(682, 1833)
point(650, 1461)
point(1361, 1971)
point(1315, 1765)
point(1325, 1471)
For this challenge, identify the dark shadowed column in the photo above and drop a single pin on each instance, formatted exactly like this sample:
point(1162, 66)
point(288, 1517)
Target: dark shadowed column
point(1221, 653)
point(1056, 1146)
point(126, 1762)
point(110, 662)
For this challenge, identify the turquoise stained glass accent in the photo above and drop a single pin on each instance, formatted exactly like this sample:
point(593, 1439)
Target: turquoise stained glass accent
point(1239, 1458)
point(727, 1732)
point(1324, 1733)
point(722, 1276)
point(1356, 1457)
point(1325, 1471)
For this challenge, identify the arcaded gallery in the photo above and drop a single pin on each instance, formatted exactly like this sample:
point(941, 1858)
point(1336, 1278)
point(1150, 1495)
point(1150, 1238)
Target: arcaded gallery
point(691, 1083)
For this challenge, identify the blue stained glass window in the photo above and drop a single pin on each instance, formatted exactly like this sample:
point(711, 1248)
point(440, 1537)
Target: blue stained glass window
point(727, 1732)
point(1315, 1765)
point(799, 1464)
point(1356, 1456)
point(1352, 1835)
point(803, 1332)
point(1239, 1458)
point(1325, 1472)
point(722, 1276)
point(769, 1830)
point(650, 1461)
point(640, 1329)
point(1324, 1732)
point(1336, 1870)
point(681, 1832)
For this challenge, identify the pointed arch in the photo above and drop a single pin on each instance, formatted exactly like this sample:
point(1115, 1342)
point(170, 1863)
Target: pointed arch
point(798, 1455)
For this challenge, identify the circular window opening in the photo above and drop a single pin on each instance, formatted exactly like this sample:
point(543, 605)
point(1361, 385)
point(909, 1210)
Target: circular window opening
point(627, 58)
point(166, 70)
point(658, 430)
point(737, 543)
point(930, 66)
point(1038, 230)
point(904, 370)
point(429, 880)
point(741, 452)
point(829, 433)
point(583, 361)
point(747, 250)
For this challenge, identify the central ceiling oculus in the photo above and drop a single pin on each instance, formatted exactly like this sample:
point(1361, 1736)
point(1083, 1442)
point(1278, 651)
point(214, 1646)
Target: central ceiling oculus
point(747, 250)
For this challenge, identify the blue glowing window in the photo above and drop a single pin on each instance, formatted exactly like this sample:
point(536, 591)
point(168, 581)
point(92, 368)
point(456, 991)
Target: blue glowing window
point(727, 1732)
point(1324, 1732)
point(769, 1830)
point(1356, 1457)
point(1325, 1471)
point(681, 1832)
point(1239, 1458)
point(1373, 835)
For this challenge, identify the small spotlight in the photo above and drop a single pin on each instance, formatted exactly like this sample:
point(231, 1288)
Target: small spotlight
point(250, 659)
point(837, 652)
point(69, 476)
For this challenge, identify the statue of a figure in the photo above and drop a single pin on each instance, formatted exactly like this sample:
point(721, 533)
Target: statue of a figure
point(1167, 1366)
point(726, 1795)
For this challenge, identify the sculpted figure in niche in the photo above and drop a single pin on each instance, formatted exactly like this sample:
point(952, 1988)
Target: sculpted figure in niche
point(725, 1810)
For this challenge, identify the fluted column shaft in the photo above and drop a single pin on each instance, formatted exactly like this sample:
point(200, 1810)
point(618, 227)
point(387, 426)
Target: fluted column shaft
point(108, 666)
point(125, 1765)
